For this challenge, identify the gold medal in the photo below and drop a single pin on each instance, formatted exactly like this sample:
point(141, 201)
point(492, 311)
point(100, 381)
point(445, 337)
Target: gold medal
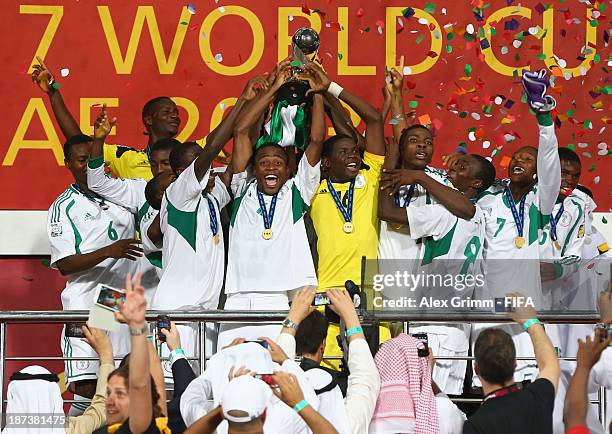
point(519, 242)
point(216, 239)
point(267, 234)
point(348, 227)
point(397, 227)
point(557, 245)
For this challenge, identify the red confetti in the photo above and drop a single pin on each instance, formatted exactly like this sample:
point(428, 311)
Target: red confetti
point(335, 26)
point(360, 12)
point(306, 9)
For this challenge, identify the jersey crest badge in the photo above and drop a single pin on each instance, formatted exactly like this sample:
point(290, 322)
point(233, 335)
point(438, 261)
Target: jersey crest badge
point(56, 229)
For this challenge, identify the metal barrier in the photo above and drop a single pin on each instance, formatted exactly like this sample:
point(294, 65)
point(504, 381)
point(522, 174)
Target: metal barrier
point(227, 316)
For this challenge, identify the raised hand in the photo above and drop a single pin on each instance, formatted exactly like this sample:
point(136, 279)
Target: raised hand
point(589, 350)
point(134, 309)
point(254, 86)
point(288, 389)
point(125, 249)
point(396, 84)
point(173, 338)
point(42, 76)
point(301, 306)
point(277, 353)
point(316, 77)
point(100, 342)
point(394, 179)
point(604, 302)
point(103, 125)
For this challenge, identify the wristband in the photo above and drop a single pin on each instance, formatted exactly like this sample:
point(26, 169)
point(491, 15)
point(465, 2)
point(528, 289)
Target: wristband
point(301, 405)
point(530, 322)
point(141, 331)
point(334, 89)
point(176, 352)
point(350, 332)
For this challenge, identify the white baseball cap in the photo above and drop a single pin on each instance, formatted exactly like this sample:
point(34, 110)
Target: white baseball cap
point(246, 394)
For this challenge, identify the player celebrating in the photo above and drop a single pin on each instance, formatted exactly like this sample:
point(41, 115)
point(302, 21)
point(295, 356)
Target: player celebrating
point(92, 242)
point(269, 253)
point(160, 118)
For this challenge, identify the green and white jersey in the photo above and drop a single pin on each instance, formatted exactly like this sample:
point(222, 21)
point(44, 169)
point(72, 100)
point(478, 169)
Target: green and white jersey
point(517, 269)
point(284, 261)
point(193, 258)
point(455, 243)
point(130, 194)
point(79, 224)
point(395, 241)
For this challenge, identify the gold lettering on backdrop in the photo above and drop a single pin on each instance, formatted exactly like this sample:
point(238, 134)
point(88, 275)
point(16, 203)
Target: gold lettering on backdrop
point(496, 17)
point(193, 117)
point(590, 45)
point(343, 49)
point(19, 142)
point(284, 38)
point(258, 41)
point(56, 13)
point(86, 107)
point(391, 42)
point(123, 65)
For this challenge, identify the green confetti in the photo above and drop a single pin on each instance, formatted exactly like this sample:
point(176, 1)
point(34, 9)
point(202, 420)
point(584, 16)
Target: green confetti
point(183, 23)
point(450, 36)
point(296, 63)
point(542, 56)
point(571, 146)
point(339, 55)
point(413, 104)
point(481, 33)
point(367, 30)
point(449, 48)
point(463, 145)
point(570, 113)
point(596, 58)
point(587, 124)
point(602, 7)
point(604, 220)
point(592, 168)
point(468, 37)
point(523, 98)
point(430, 8)
point(463, 114)
point(607, 89)
point(46, 262)
point(467, 69)
point(517, 57)
point(594, 23)
point(420, 38)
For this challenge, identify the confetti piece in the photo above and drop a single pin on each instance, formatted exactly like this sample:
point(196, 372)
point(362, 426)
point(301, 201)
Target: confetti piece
point(407, 70)
point(604, 220)
point(486, 144)
point(64, 72)
point(423, 21)
point(183, 23)
point(413, 104)
point(420, 38)
point(408, 12)
point(221, 9)
point(512, 24)
point(430, 8)
point(475, 116)
point(360, 12)
point(219, 57)
point(467, 70)
point(472, 136)
point(484, 44)
point(470, 28)
point(424, 119)
point(191, 8)
point(505, 161)
point(203, 35)
point(222, 106)
point(290, 17)
point(592, 168)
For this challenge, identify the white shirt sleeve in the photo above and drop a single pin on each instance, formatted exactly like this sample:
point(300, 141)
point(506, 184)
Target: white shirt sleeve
point(239, 183)
point(429, 221)
point(363, 386)
point(60, 234)
point(549, 169)
point(128, 193)
point(287, 344)
point(220, 193)
point(194, 402)
point(307, 179)
point(147, 244)
point(601, 374)
point(450, 418)
point(185, 192)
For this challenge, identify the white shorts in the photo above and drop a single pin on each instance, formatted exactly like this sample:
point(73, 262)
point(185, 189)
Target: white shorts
point(252, 301)
point(77, 370)
point(448, 341)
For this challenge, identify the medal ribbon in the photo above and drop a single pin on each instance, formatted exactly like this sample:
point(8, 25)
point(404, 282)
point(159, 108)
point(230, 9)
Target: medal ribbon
point(347, 213)
point(98, 200)
point(519, 217)
point(214, 223)
point(554, 220)
point(268, 216)
point(407, 197)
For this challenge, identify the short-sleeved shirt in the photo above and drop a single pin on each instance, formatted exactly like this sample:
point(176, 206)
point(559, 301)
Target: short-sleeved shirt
point(339, 252)
point(193, 261)
point(127, 162)
point(528, 411)
point(283, 262)
point(78, 224)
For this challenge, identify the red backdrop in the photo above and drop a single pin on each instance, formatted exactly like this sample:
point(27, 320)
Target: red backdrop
point(458, 89)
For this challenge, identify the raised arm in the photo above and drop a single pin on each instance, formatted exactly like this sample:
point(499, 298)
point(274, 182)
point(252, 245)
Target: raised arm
point(549, 166)
point(44, 79)
point(317, 131)
point(398, 113)
point(577, 398)
point(133, 311)
point(546, 358)
point(375, 141)
point(243, 146)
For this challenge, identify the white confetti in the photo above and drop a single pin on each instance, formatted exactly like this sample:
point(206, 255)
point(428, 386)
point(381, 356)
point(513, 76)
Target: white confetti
point(407, 70)
point(219, 57)
point(222, 106)
point(472, 136)
point(562, 63)
point(596, 180)
point(64, 72)
point(423, 21)
point(475, 116)
point(516, 43)
point(587, 154)
point(509, 137)
point(436, 34)
point(602, 152)
point(203, 35)
point(583, 145)
point(470, 29)
point(290, 17)
point(498, 100)
point(601, 130)
point(486, 144)
point(380, 30)
point(504, 50)
point(191, 8)
point(602, 145)
point(443, 11)
point(221, 9)
point(533, 30)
